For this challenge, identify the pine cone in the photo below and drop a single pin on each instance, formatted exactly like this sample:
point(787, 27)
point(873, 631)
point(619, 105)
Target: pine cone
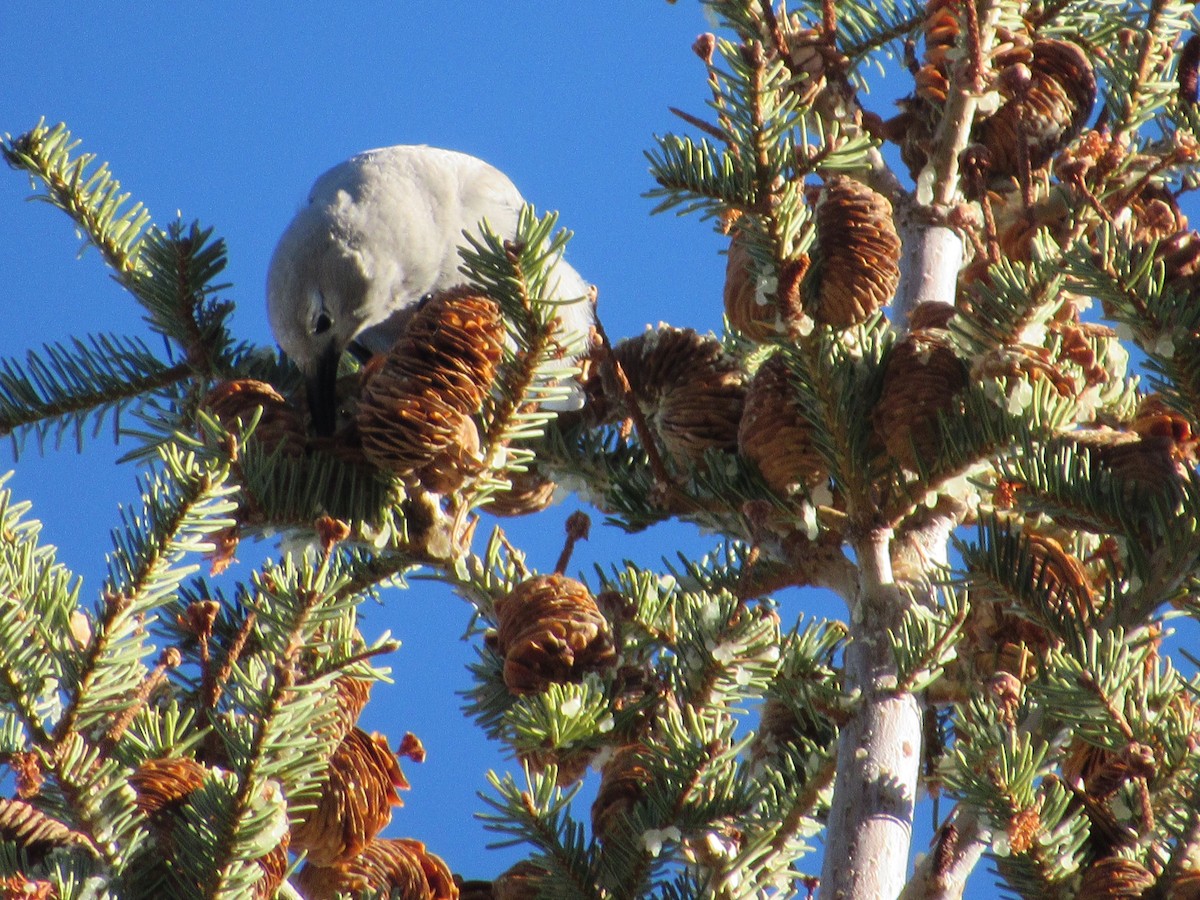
point(521, 882)
point(1103, 772)
point(1157, 215)
point(622, 786)
point(749, 307)
point(530, 492)
point(942, 28)
point(774, 435)
point(1180, 255)
point(1156, 419)
point(1185, 886)
point(689, 390)
point(280, 426)
point(355, 803)
point(1048, 112)
point(33, 831)
point(855, 267)
point(398, 867)
point(414, 412)
point(1115, 878)
point(809, 57)
point(922, 377)
point(930, 314)
point(1062, 576)
point(550, 631)
point(777, 727)
point(163, 785)
point(1149, 465)
point(352, 696)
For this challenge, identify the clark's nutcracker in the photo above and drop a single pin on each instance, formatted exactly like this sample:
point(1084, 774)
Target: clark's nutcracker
point(380, 232)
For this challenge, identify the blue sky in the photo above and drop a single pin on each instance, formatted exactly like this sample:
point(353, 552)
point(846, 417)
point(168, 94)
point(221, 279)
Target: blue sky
point(227, 112)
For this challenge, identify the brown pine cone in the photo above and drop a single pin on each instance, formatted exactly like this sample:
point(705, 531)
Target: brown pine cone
point(280, 426)
point(1063, 577)
point(400, 866)
point(33, 831)
point(414, 413)
point(352, 696)
point(355, 803)
point(1115, 878)
point(549, 630)
point(521, 882)
point(530, 492)
point(689, 390)
point(622, 786)
point(922, 377)
point(855, 267)
point(1047, 107)
point(163, 785)
point(773, 433)
point(748, 306)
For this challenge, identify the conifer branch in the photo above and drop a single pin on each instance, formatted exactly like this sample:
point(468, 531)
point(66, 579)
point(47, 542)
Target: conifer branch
point(91, 197)
point(67, 386)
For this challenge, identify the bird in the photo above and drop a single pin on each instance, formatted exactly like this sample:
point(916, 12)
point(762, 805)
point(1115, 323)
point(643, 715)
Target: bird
point(381, 233)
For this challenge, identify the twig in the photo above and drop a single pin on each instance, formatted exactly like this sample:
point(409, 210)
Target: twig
point(578, 527)
point(169, 659)
point(657, 466)
point(829, 21)
point(707, 127)
point(778, 38)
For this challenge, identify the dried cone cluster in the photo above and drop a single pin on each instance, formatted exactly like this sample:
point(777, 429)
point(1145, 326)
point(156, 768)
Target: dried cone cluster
point(856, 259)
point(549, 630)
point(622, 786)
point(774, 435)
point(689, 389)
point(922, 377)
point(748, 306)
point(1047, 102)
point(163, 786)
point(280, 425)
point(414, 415)
point(393, 867)
point(942, 28)
point(355, 803)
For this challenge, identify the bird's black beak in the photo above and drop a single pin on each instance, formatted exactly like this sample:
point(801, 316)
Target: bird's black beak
point(322, 392)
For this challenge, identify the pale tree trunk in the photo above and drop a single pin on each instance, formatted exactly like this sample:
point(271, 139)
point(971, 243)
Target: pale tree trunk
point(868, 841)
point(879, 749)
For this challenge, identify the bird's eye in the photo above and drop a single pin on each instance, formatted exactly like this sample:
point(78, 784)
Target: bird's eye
point(322, 324)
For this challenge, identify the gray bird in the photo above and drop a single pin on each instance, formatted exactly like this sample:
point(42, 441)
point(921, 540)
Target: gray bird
point(381, 232)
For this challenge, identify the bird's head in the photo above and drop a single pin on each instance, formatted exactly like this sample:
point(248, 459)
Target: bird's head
point(315, 304)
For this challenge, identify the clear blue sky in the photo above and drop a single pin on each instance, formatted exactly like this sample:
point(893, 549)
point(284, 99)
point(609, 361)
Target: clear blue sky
point(226, 112)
